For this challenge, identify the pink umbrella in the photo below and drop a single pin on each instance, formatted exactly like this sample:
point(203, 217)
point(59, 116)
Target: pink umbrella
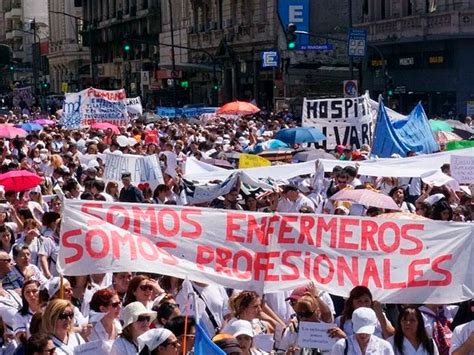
point(444, 137)
point(366, 197)
point(105, 126)
point(19, 180)
point(402, 215)
point(44, 122)
point(7, 131)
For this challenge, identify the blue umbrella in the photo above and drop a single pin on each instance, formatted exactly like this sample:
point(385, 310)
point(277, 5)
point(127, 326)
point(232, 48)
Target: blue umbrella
point(300, 135)
point(271, 144)
point(30, 127)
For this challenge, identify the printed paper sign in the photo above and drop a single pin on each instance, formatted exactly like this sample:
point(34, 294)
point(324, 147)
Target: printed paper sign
point(462, 169)
point(315, 335)
point(410, 260)
point(252, 161)
point(346, 121)
point(134, 107)
point(104, 106)
point(144, 169)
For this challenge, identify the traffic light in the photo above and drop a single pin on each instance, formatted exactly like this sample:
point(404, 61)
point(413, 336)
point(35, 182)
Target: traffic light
point(11, 67)
point(215, 85)
point(126, 46)
point(390, 87)
point(291, 36)
point(184, 84)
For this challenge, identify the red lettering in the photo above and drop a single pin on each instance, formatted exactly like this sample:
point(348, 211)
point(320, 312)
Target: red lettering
point(185, 215)
point(306, 224)
point(418, 247)
point(258, 229)
point(286, 228)
point(270, 266)
point(140, 216)
point(367, 235)
point(331, 227)
point(344, 233)
point(173, 220)
point(245, 255)
point(147, 249)
point(114, 213)
point(371, 272)
point(285, 260)
point(414, 274)
point(435, 265)
point(382, 237)
point(387, 277)
point(232, 227)
point(85, 208)
point(169, 259)
point(318, 266)
point(67, 244)
point(223, 257)
point(345, 271)
point(118, 239)
point(204, 256)
point(271, 228)
point(90, 243)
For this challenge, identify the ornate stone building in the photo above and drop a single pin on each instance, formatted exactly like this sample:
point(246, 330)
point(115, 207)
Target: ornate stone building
point(427, 45)
point(69, 59)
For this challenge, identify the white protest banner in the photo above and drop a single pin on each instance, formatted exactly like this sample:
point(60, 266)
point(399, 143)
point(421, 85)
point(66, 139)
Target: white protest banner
point(134, 107)
point(315, 335)
point(96, 347)
point(144, 169)
point(462, 169)
point(346, 121)
point(71, 117)
point(104, 106)
point(410, 260)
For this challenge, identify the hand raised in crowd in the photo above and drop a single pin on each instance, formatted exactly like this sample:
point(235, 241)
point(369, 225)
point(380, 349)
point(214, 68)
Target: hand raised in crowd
point(336, 332)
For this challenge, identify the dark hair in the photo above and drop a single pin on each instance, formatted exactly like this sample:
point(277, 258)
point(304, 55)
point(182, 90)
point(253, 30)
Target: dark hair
point(101, 298)
point(49, 217)
point(160, 188)
point(425, 206)
point(25, 308)
point(421, 335)
point(438, 208)
point(164, 310)
point(176, 325)
point(36, 343)
point(445, 167)
point(132, 287)
point(395, 189)
point(87, 196)
point(355, 293)
point(350, 170)
point(99, 185)
point(19, 248)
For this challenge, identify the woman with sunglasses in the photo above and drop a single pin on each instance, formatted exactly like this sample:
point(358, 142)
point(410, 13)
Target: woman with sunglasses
point(105, 311)
point(58, 323)
point(165, 310)
point(136, 321)
point(158, 342)
point(142, 289)
point(31, 305)
point(410, 336)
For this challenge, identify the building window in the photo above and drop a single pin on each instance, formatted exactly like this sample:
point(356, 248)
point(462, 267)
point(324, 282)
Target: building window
point(409, 7)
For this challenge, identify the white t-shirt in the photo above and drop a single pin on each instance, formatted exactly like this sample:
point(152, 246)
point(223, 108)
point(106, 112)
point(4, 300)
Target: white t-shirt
point(409, 349)
point(276, 301)
point(429, 317)
point(460, 335)
point(68, 349)
point(376, 346)
point(349, 330)
point(21, 323)
point(50, 249)
point(10, 304)
point(122, 346)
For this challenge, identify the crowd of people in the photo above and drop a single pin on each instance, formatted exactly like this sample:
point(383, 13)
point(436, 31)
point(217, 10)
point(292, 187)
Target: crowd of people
point(141, 313)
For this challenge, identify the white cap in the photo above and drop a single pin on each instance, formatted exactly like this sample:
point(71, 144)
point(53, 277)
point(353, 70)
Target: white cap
point(133, 310)
point(219, 140)
point(239, 327)
point(122, 141)
point(93, 164)
point(434, 198)
point(53, 286)
point(343, 209)
point(153, 338)
point(364, 321)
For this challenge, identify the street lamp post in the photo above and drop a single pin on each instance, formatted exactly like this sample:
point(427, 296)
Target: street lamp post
point(89, 35)
point(173, 58)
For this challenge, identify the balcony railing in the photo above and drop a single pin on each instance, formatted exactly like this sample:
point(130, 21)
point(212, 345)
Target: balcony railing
point(438, 24)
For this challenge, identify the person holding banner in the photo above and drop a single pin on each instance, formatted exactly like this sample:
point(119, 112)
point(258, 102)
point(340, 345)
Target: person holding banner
point(129, 193)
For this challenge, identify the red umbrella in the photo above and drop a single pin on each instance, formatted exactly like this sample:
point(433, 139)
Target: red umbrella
point(19, 180)
point(105, 126)
point(366, 197)
point(238, 108)
point(7, 131)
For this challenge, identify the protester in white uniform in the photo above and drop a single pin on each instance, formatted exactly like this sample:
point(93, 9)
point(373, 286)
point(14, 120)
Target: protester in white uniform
point(158, 341)
point(410, 337)
point(57, 322)
point(242, 330)
point(296, 200)
point(136, 321)
point(462, 342)
point(363, 341)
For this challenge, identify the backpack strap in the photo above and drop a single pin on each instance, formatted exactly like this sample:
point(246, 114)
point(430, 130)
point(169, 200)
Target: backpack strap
point(346, 346)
